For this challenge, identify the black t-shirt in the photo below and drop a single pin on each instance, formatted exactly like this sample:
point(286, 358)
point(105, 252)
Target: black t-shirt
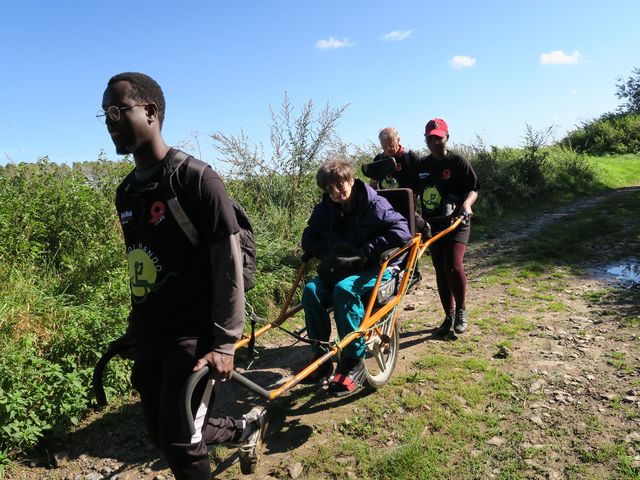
point(440, 180)
point(170, 279)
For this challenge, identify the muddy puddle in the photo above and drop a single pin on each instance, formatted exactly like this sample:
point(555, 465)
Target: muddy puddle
point(626, 272)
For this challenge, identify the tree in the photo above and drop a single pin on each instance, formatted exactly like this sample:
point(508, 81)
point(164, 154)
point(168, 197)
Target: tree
point(629, 90)
point(298, 142)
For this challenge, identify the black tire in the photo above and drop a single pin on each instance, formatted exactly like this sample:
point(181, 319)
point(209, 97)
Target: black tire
point(380, 357)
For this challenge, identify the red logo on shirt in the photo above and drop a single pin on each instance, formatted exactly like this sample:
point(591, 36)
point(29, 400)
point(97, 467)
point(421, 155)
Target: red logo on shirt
point(157, 212)
point(446, 174)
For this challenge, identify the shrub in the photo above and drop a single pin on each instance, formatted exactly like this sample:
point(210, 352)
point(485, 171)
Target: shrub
point(37, 395)
point(64, 284)
point(611, 134)
point(511, 177)
point(63, 220)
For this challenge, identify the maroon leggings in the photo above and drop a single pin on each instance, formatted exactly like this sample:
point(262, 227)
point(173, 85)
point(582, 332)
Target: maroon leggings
point(447, 258)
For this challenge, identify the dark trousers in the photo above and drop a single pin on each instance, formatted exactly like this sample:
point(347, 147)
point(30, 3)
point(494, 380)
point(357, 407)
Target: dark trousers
point(447, 257)
point(160, 382)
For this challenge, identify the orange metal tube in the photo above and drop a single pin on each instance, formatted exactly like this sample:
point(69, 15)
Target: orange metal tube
point(439, 235)
point(284, 314)
point(416, 248)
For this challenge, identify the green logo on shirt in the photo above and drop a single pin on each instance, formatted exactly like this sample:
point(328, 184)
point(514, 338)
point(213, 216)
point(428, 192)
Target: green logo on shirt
point(431, 199)
point(142, 273)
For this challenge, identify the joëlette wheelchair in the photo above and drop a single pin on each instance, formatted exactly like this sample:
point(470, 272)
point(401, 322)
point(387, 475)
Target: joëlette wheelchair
point(379, 325)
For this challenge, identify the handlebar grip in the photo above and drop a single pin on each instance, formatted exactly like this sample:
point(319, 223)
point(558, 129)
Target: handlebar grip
point(98, 371)
point(186, 416)
point(387, 254)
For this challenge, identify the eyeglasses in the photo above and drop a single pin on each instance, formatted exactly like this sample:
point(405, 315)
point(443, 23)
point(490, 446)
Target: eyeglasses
point(113, 112)
point(338, 187)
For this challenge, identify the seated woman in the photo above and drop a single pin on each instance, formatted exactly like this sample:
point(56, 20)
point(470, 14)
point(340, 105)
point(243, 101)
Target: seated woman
point(352, 221)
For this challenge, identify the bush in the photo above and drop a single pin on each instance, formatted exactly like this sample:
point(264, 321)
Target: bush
point(278, 234)
point(49, 344)
point(64, 285)
point(611, 134)
point(37, 396)
point(512, 178)
point(63, 220)
point(63, 293)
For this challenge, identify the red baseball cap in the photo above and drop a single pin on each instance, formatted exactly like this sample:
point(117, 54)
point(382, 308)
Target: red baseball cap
point(437, 127)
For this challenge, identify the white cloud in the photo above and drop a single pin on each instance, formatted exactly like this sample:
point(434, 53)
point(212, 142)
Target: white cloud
point(558, 57)
point(462, 61)
point(397, 35)
point(334, 43)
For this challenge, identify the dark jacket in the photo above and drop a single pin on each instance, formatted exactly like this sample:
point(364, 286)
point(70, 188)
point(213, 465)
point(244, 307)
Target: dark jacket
point(372, 225)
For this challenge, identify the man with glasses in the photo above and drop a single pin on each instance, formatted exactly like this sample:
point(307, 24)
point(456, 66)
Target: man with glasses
point(187, 301)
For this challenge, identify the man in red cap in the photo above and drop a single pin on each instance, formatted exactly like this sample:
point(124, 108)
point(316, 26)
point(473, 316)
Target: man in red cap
point(448, 187)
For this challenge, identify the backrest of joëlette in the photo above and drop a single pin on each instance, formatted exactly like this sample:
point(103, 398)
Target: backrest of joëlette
point(379, 169)
point(193, 175)
point(401, 199)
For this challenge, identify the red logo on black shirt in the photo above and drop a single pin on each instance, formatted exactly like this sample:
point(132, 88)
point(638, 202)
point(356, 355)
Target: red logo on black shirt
point(157, 212)
point(446, 174)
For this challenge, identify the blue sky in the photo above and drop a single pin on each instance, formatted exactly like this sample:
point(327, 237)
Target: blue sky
point(488, 68)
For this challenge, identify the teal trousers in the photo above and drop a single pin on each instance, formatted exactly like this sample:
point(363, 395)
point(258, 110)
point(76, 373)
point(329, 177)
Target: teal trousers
point(346, 297)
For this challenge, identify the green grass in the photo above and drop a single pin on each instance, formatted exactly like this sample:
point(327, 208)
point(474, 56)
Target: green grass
point(617, 171)
point(443, 414)
point(622, 303)
point(618, 361)
point(515, 325)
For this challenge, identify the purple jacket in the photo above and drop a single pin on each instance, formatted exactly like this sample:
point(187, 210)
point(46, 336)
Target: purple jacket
point(372, 225)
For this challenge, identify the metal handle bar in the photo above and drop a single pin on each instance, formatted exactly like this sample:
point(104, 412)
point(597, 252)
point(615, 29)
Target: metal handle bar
point(186, 416)
point(98, 387)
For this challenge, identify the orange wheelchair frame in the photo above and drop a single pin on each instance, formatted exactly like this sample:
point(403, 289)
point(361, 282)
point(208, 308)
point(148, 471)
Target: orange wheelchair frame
point(378, 326)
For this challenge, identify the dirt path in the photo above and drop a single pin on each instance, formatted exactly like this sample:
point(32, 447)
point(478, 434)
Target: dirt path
point(575, 369)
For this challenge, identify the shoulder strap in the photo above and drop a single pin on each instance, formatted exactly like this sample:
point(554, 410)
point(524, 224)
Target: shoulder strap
point(193, 175)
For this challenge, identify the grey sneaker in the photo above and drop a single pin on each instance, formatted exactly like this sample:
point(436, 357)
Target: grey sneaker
point(250, 447)
point(460, 325)
point(445, 327)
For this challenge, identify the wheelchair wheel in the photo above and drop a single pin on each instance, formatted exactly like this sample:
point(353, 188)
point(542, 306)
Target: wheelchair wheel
point(381, 356)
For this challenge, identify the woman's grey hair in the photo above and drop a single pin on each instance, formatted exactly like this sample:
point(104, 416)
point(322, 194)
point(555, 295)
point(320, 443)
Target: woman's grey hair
point(335, 170)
